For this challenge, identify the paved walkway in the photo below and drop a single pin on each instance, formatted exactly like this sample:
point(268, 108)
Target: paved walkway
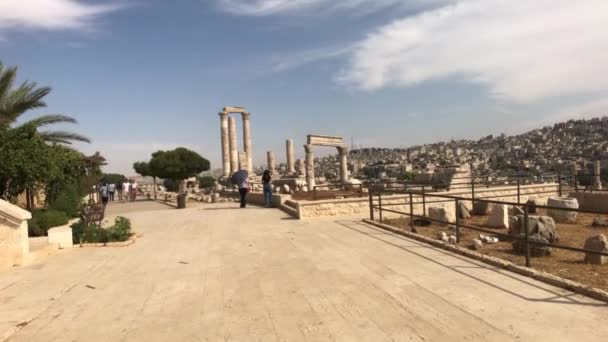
point(220, 274)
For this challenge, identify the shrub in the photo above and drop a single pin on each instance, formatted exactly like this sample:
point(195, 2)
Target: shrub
point(206, 182)
point(43, 220)
point(69, 200)
point(120, 231)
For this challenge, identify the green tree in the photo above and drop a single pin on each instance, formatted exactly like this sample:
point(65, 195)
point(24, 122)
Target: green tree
point(177, 165)
point(113, 178)
point(30, 165)
point(143, 169)
point(16, 101)
point(24, 157)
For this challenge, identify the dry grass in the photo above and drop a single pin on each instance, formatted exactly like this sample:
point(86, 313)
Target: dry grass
point(563, 263)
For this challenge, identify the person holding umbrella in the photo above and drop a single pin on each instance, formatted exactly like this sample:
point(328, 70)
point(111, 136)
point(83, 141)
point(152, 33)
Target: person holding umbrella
point(241, 178)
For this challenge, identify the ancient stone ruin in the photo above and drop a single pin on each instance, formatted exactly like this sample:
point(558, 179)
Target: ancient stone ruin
point(330, 141)
point(230, 152)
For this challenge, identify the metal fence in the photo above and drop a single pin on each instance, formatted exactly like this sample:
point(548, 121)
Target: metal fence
point(375, 204)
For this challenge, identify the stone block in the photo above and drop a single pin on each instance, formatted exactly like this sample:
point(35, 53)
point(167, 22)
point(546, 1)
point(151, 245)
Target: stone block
point(562, 216)
point(481, 208)
point(463, 211)
point(215, 198)
point(519, 246)
point(499, 216)
point(62, 236)
point(596, 243)
point(441, 214)
point(543, 225)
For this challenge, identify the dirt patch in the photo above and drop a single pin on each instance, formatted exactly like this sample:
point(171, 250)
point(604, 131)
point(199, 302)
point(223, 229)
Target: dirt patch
point(563, 263)
point(320, 195)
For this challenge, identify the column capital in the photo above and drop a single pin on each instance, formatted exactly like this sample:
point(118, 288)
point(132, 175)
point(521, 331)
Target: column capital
point(342, 150)
point(223, 115)
point(245, 115)
point(308, 148)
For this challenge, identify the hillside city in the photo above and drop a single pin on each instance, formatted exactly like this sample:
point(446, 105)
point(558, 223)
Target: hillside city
point(545, 150)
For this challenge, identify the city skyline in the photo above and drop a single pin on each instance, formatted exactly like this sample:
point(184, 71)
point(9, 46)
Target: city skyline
point(146, 76)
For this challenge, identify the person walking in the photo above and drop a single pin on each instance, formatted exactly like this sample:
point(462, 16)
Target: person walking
point(126, 188)
point(133, 189)
point(266, 181)
point(119, 190)
point(112, 190)
point(105, 194)
point(243, 190)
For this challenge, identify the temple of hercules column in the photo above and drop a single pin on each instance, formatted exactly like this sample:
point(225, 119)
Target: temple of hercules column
point(233, 159)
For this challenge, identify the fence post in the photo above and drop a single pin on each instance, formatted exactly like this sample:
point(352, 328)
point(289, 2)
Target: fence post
point(380, 206)
point(371, 205)
point(559, 183)
point(411, 212)
point(473, 193)
point(456, 203)
point(518, 191)
point(423, 202)
point(527, 235)
point(487, 181)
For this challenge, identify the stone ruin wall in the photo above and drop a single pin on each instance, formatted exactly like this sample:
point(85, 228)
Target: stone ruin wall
point(359, 207)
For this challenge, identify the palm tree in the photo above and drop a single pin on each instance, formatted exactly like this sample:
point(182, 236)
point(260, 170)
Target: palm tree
point(14, 102)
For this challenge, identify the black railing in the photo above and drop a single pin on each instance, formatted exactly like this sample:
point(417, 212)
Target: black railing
point(380, 207)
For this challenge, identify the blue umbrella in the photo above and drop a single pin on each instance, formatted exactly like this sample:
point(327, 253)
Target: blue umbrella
point(239, 177)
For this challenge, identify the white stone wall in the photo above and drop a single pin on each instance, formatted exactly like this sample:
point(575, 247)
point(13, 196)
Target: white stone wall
point(14, 244)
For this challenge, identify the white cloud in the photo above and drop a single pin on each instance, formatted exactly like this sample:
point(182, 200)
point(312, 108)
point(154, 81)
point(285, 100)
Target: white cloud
point(49, 14)
point(273, 7)
point(287, 61)
point(522, 50)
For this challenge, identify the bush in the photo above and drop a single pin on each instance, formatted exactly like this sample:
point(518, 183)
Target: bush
point(120, 231)
point(43, 220)
point(206, 182)
point(69, 200)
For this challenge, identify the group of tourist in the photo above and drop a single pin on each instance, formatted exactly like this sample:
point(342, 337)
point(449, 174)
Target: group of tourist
point(127, 191)
point(244, 189)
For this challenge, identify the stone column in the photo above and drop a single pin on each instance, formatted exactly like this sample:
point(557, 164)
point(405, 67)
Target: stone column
point(300, 167)
point(225, 144)
point(247, 140)
point(243, 163)
point(290, 159)
point(597, 181)
point(574, 174)
point(343, 152)
point(310, 168)
point(270, 160)
point(234, 149)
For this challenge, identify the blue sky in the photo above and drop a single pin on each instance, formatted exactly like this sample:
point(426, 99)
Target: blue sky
point(143, 75)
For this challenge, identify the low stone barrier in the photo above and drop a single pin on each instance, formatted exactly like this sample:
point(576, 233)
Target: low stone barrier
point(62, 236)
point(591, 201)
point(14, 243)
point(359, 207)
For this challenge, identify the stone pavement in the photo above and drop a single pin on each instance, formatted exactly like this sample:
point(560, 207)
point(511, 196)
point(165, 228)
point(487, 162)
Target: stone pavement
point(222, 274)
